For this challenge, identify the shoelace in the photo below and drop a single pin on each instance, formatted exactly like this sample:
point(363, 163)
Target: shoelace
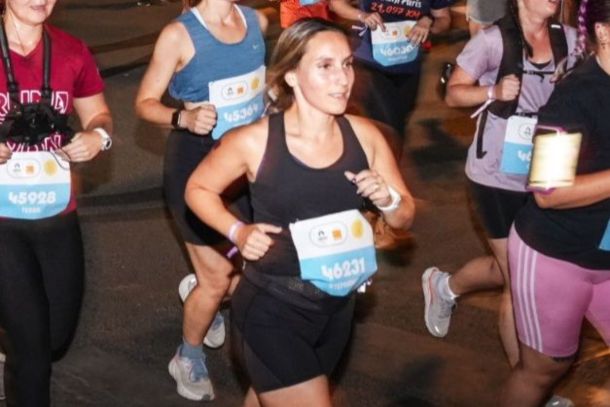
point(198, 370)
point(218, 321)
point(446, 308)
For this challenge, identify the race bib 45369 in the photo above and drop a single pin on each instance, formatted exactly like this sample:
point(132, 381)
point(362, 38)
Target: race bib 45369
point(336, 252)
point(238, 100)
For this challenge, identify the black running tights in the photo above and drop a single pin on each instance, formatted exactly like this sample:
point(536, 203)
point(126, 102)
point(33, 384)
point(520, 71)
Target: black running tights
point(41, 287)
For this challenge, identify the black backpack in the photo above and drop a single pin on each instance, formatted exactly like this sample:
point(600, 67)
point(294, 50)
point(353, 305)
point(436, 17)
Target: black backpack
point(512, 64)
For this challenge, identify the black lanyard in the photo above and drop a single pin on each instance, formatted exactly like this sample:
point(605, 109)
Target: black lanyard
point(11, 83)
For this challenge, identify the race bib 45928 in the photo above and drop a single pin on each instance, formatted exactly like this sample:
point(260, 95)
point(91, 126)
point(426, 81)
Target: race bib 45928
point(336, 252)
point(238, 100)
point(34, 185)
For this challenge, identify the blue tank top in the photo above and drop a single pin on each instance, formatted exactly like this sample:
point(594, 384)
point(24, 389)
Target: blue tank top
point(215, 60)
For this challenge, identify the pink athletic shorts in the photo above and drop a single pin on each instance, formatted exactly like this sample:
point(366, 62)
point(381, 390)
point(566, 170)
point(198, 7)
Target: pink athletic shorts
point(551, 297)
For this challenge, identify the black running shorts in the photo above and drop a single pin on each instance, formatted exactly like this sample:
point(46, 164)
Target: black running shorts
point(281, 345)
point(183, 153)
point(497, 208)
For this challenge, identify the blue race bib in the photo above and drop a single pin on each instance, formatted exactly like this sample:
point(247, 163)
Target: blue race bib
point(238, 100)
point(517, 151)
point(392, 47)
point(34, 185)
point(336, 252)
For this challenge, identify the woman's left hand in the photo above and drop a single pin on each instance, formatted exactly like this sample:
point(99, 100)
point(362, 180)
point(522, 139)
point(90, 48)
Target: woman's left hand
point(85, 145)
point(420, 31)
point(5, 153)
point(372, 186)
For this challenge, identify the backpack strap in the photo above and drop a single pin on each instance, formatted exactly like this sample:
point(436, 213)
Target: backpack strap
point(512, 64)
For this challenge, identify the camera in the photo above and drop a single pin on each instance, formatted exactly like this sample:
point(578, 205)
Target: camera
point(31, 123)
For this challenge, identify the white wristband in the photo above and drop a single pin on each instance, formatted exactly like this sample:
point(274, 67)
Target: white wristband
point(394, 204)
point(491, 92)
point(106, 139)
point(233, 230)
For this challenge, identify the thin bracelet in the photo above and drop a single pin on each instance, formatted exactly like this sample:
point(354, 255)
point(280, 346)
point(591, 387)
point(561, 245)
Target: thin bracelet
point(233, 230)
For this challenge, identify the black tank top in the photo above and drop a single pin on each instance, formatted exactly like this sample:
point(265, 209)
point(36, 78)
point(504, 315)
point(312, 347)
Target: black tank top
point(287, 190)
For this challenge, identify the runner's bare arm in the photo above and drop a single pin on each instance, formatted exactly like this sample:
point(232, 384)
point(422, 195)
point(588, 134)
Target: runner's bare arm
point(587, 190)
point(442, 20)
point(169, 56)
point(383, 173)
point(238, 153)
point(464, 91)
point(345, 10)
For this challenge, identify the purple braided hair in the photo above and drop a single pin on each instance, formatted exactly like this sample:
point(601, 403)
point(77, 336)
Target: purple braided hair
point(581, 43)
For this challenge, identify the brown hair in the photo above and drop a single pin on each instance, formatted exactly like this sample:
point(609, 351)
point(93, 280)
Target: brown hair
point(288, 52)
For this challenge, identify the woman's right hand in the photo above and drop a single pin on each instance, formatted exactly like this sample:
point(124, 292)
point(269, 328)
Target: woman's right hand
point(508, 88)
point(371, 20)
point(200, 120)
point(253, 240)
point(5, 153)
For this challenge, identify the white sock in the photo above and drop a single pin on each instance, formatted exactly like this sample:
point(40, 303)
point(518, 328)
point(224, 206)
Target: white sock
point(444, 290)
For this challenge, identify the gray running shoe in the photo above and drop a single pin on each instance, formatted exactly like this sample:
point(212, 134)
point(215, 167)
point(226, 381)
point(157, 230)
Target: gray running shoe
point(215, 337)
point(2, 360)
point(192, 382)
point(558, 401)
point(437, 312)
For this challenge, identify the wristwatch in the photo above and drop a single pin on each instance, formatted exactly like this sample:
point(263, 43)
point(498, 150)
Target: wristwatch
point(176, 119)
point(106, 139)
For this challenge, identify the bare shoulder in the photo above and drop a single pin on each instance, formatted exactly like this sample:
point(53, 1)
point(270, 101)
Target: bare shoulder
point(263, 21)
point(173, 34)
point(251, 138)
point(366, 130)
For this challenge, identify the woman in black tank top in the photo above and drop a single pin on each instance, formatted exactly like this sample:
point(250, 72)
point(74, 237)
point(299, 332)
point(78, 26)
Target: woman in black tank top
point(303, 162)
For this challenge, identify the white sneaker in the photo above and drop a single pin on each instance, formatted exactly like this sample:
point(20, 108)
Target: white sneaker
point(186, 286)
point(216, 335)
point(190, 385)
point(437, 312)
point(2, 360)
point(558, 401)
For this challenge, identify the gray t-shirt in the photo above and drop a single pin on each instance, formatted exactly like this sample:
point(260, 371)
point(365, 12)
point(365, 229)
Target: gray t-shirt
point(486, 12)
point(481, 59)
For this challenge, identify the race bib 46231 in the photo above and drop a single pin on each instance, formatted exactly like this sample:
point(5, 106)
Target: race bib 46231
point(336, 252)
point(34, 185)
point(238, 100)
